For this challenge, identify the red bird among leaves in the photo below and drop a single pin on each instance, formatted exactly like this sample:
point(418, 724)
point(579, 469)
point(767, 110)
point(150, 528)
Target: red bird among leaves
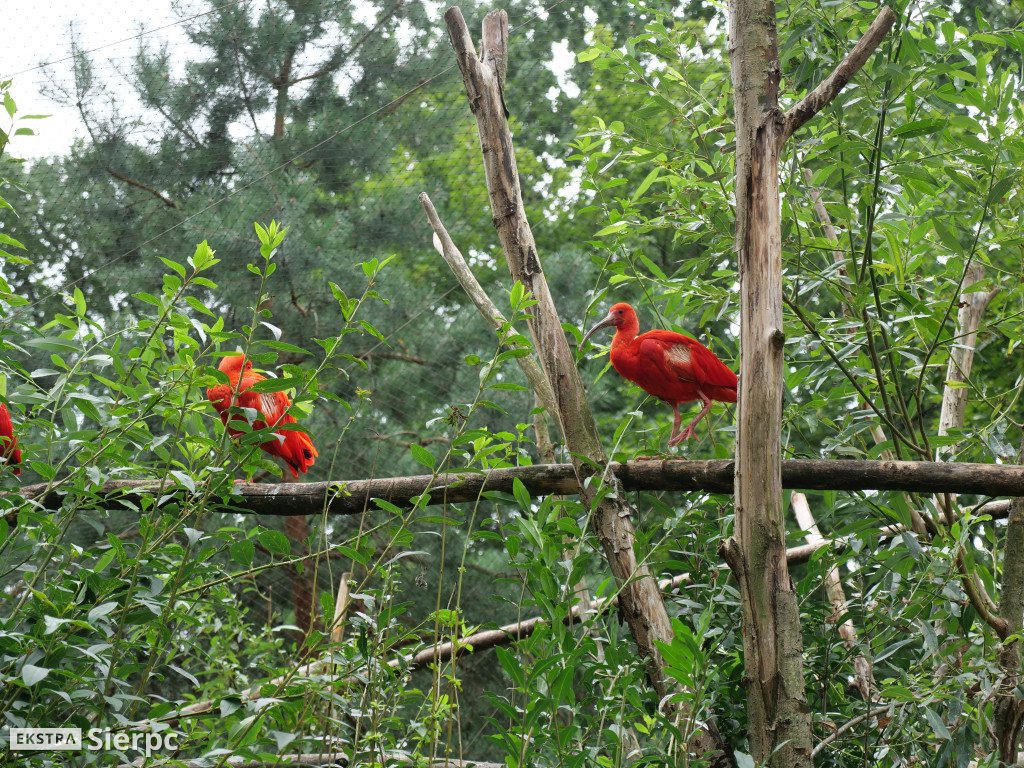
point(668, 365)
point(9, 449)
point(294, 447)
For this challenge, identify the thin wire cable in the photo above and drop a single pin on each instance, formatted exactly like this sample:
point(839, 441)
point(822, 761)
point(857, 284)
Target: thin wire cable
point(128, 39)
point(258, 179)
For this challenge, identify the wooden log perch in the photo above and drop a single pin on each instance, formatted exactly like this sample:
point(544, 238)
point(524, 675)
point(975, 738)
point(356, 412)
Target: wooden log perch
point(329, 760)
point(353, 497)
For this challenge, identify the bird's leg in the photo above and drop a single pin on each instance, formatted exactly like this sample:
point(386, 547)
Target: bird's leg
point(674, 437)
point(687, 433)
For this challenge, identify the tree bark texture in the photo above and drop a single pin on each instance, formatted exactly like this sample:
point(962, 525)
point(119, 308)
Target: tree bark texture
point(777, 713)
point(779, 722)
point(354, 497)
point(640, 601)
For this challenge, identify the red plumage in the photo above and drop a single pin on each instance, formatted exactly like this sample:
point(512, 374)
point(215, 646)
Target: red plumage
point(8, 442)
point(294, 447)
point(668, 365)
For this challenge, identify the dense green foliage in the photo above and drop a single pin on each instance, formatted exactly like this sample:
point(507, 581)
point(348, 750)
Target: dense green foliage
point(117, 612)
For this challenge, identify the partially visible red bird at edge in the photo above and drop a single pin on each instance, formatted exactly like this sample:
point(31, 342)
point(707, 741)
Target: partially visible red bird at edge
point(294, 447)
point(9, 449)
point(668, 365)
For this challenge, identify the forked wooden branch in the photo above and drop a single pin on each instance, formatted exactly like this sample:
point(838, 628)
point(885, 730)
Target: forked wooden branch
point(830, 87)
point(640, 601)
point(779, 727)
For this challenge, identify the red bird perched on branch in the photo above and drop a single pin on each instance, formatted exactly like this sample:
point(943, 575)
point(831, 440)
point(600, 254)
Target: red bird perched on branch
point(9, 449)
point(294, 447)
point(668, 365)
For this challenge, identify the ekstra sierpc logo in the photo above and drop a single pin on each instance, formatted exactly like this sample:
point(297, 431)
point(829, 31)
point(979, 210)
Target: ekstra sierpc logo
point(70, 739)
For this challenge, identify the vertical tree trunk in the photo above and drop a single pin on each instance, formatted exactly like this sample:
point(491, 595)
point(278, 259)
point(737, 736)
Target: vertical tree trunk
point(779, 721)
point(777, 712)
point(1009, 709)
point(282, 84)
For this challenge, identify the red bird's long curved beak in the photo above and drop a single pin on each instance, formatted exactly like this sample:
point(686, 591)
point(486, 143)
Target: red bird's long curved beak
point(608, 321)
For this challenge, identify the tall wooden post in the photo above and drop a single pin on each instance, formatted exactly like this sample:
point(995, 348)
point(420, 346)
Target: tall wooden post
point(779, 721)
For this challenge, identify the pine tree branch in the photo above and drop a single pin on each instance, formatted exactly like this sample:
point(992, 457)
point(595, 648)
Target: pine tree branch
point(145, 187)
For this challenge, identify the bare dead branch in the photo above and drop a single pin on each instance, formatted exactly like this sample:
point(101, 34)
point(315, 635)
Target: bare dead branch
point(641, 604)
point(830, 87)
point(146, 188)
point(837, 597)
point(961, 357)
point(830, 233)
point(490, 312)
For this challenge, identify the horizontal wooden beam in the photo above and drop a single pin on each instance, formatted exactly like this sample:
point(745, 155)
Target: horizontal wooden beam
point(353, 497)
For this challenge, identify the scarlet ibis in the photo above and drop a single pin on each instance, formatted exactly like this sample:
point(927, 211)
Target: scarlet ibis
point(668, 365)
point(294, 447)
point(9, 449)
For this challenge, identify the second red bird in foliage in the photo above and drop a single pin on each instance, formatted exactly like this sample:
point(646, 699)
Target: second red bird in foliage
point(294, 447)
point(8, 442)
point(668, 365)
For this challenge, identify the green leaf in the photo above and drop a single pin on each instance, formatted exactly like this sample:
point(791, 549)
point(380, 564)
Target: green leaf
point(646, 183)
point(242, 552)
point(174, 265)
point(937, 723)
point(611, 229)
point(275, 542)
point(919, 128)
point(8, 240)
point(284, 347)
point(1000, 188)
point(423, 456)
point(276, 385)
point(198, 306)
point(522, 495)
point(53, 344)
point(32, 674)
point(79, 298)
